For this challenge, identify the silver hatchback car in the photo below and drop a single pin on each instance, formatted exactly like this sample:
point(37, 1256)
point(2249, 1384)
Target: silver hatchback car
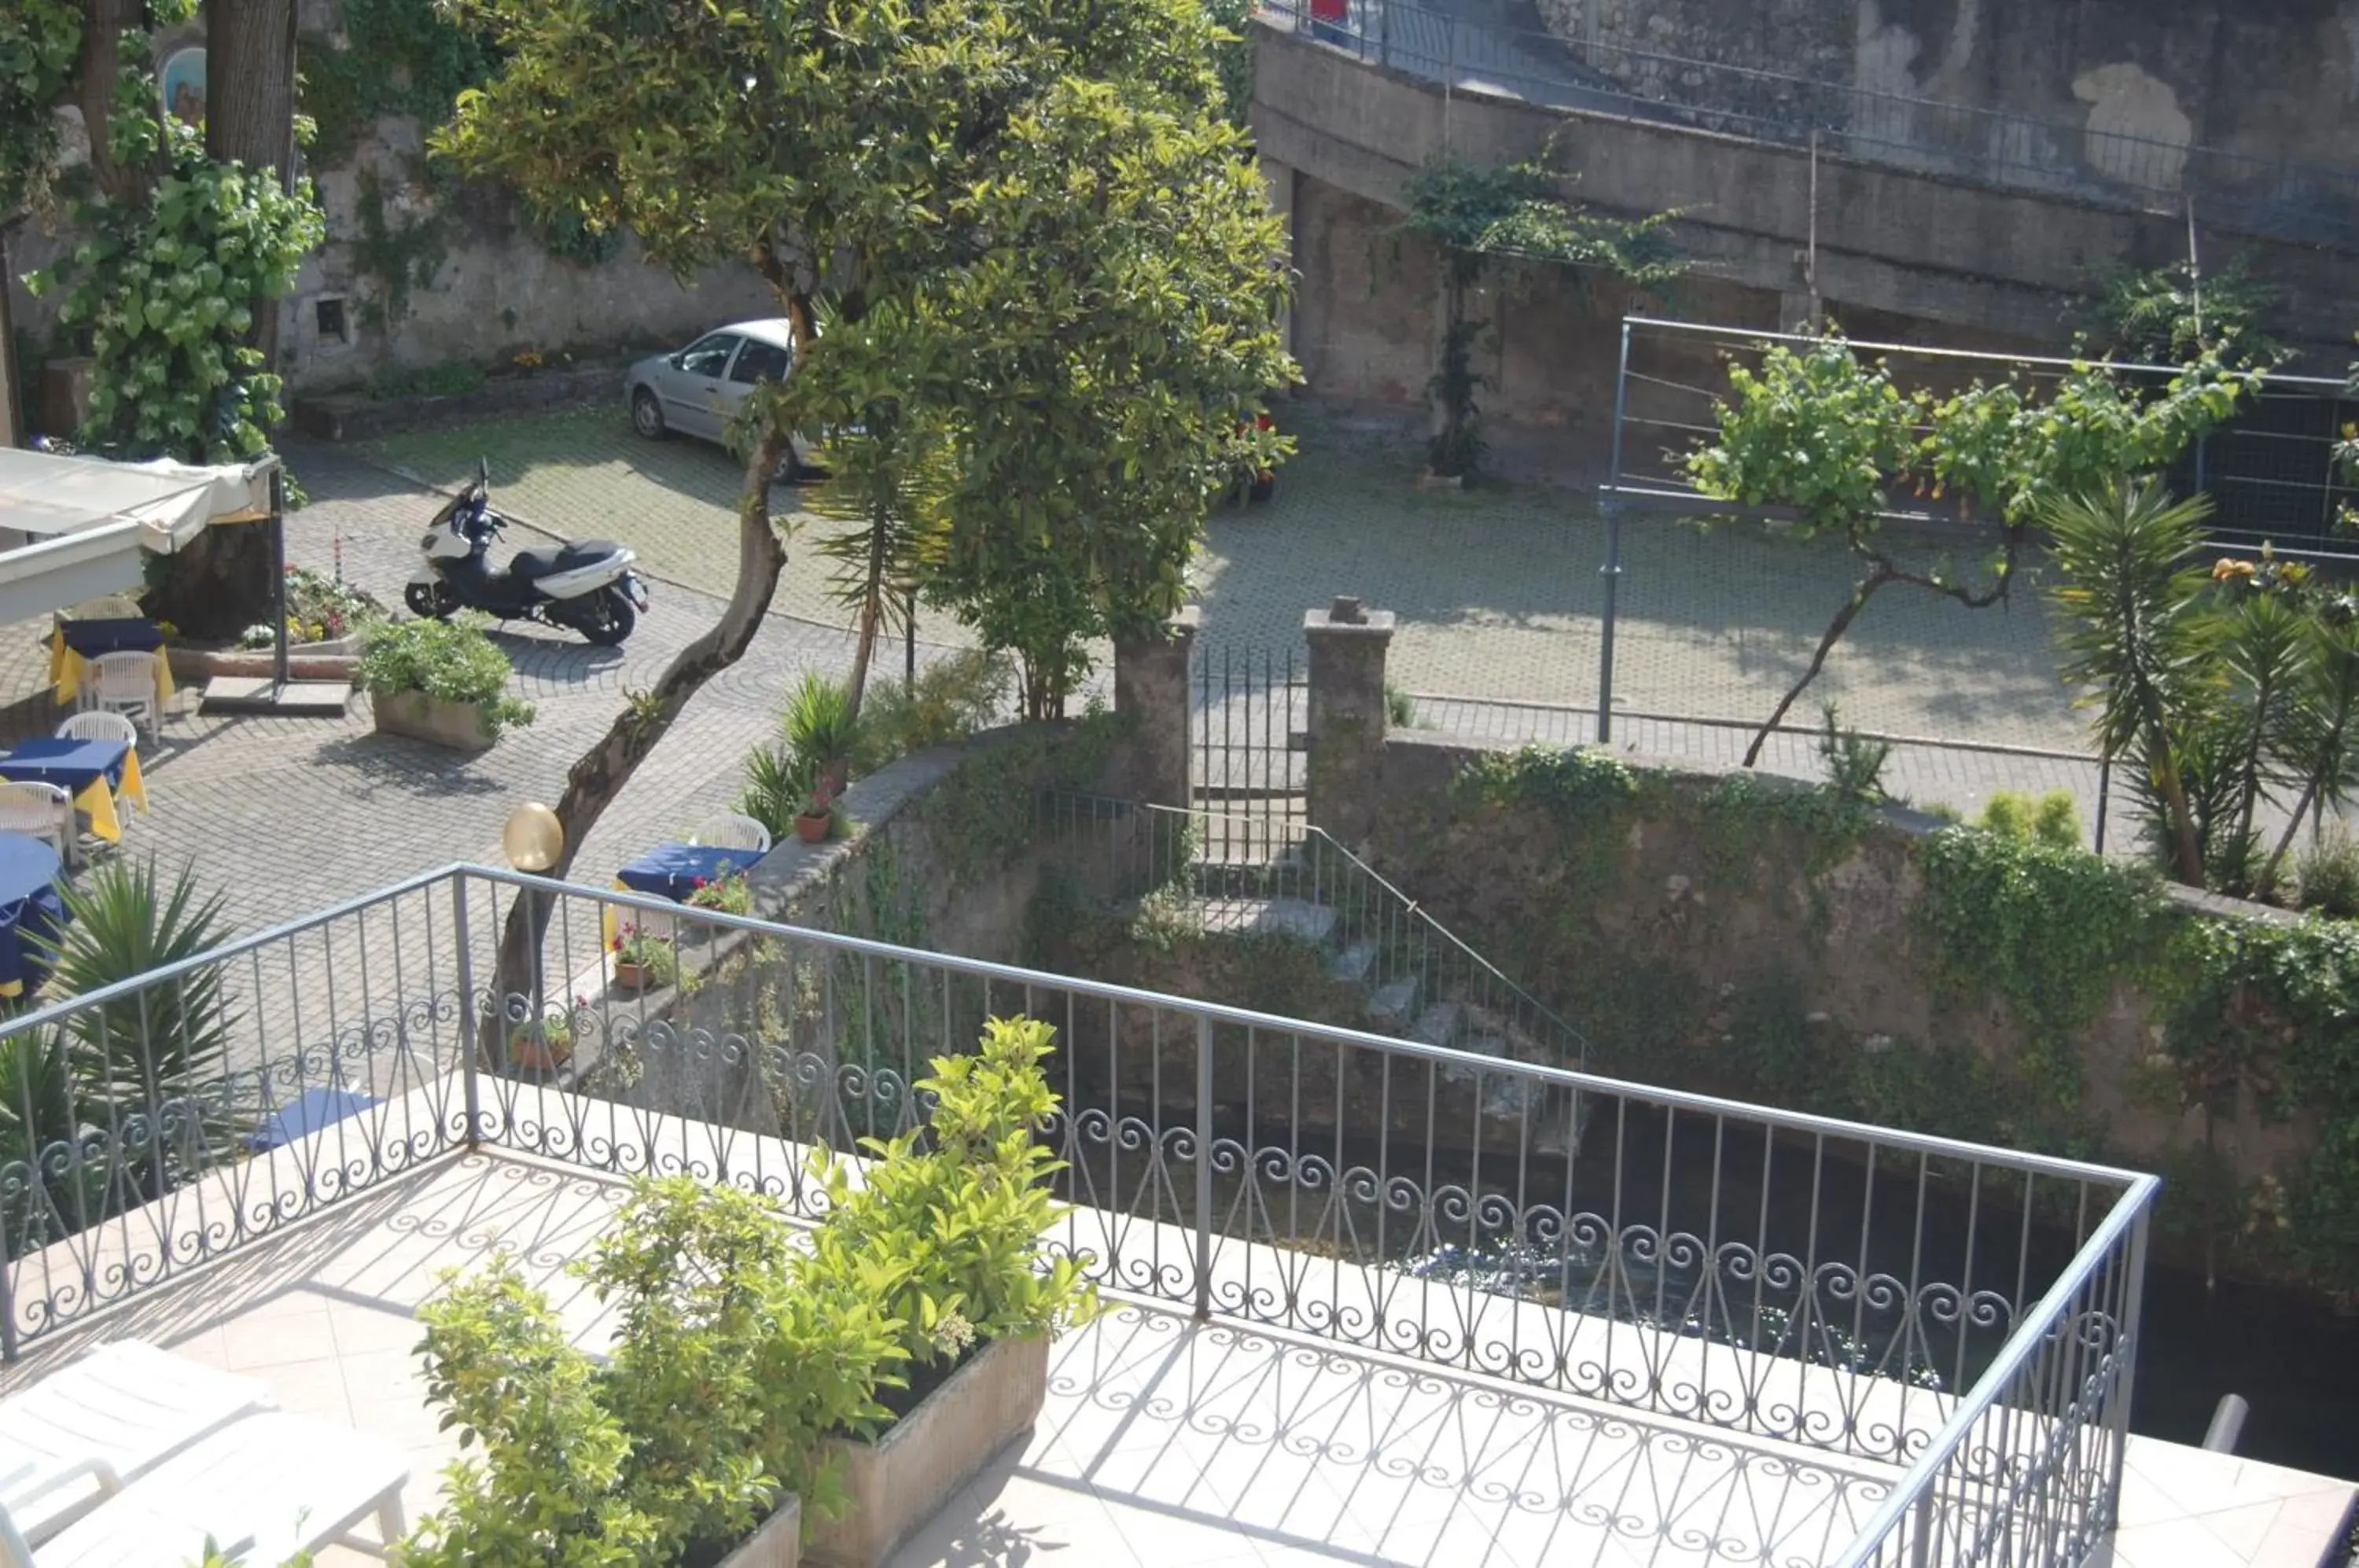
point(698, 391)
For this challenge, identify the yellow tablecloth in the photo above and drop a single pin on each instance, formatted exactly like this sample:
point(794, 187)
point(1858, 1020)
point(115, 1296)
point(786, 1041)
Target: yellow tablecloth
point(65, 668)
point(97, 800)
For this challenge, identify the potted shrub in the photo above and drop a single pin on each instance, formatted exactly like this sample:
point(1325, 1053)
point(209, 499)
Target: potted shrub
point(729, 894)
point(643, 959)
point(542, 1044)
point(822, 732)
point(697, 1441)
point(946, 1228)
point(442, 682)
point(817, 819)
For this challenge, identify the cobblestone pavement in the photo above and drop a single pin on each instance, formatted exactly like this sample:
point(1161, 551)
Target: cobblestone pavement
point(1498, 589)
point(285, 816)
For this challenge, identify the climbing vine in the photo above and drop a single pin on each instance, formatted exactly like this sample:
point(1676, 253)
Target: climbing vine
point(400, 57)
point(166, 285)
point(39, 42)
point(2048, 930)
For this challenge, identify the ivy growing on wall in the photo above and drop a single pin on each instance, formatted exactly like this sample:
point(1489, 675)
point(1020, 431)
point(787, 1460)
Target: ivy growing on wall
point(166, 285)
point(400, 57)
point(39, 42)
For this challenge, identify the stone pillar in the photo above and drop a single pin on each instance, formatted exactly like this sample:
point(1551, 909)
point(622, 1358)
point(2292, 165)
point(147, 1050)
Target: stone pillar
point(1151, 691)
point(1347, 716)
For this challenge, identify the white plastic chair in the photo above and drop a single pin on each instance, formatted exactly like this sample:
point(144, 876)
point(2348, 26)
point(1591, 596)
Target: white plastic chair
point(101, 726)
point(79, 1434)
point(731, 829)
point(106, 607)
point(276, 1485)
point(41, 810)
point(125, 682)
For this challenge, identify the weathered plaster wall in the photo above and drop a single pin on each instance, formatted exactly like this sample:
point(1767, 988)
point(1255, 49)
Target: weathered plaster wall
point(1678, 944)
point(2280, 79)
point(494, 291)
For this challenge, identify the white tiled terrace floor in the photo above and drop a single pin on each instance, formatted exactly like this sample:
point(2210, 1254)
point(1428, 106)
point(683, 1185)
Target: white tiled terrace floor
point(1164, 1441)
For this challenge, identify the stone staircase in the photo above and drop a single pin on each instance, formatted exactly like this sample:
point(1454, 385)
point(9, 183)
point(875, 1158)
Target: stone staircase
point(1417, 981)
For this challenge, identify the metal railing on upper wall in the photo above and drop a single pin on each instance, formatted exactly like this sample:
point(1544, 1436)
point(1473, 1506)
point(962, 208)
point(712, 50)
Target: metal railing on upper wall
point(1970, 1313)
point(2280, 198)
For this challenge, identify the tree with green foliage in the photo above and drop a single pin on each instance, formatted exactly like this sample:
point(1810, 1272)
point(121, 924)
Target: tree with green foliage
point(39, 42)
point(1510, 220)
point(192, 237)
point(891, 162)
point(1828, 437)
point(2224, 688)
point(2173, 314)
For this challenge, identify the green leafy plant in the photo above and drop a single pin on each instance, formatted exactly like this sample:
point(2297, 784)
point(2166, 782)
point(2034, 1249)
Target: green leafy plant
point(452, 378)
point(319, 609)
point(2170, 314)
point(452, 662)
point(1854, 764)
point(647, 952)
point(1830, 437)
point(776, 784)
point(945, 1230)
point(39, 42)
point(1514, 218)
point(731, 895)
point(1400, 708)
point(2053, 819)
point(397, 56)
point(954, 696)
point(1572, 783)
point(2329, 874)
point(823, 731)
point(166, 286)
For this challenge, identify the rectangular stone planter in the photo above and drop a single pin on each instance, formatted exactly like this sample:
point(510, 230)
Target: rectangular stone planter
point(459, 725)
point(895, 1485)
point(776, 1544)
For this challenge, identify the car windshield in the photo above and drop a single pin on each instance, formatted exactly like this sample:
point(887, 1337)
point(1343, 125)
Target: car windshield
point(708, 356)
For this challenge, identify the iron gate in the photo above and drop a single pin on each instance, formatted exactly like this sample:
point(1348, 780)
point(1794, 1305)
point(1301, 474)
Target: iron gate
point(1247, 762)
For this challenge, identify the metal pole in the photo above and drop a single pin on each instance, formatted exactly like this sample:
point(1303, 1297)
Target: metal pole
point(279, 572)
point(2117, 1416)
point(1204, 1169)
point(2104, 797)
point(1612, 569)
point(468, 1066)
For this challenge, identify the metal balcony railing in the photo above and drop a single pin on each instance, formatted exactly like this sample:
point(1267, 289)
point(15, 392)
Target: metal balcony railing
point(1966, 1317)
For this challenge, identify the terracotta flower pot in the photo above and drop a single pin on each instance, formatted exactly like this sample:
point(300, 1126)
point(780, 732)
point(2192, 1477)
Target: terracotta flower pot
point(537, 1053)
point(811, 826)
point(632, 976)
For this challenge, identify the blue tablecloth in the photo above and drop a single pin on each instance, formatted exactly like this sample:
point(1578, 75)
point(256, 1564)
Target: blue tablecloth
point(128, 634)
point(75, 765)
point(30, 910)
point(673, 870)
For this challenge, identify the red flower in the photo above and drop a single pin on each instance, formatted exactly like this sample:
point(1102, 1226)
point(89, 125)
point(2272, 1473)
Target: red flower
point(700, 882)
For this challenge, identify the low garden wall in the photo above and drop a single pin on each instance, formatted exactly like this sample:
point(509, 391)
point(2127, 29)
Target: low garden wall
point(1764, 939)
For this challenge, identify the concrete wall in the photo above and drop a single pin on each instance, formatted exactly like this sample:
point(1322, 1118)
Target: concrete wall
point(1659, 935)
point(2279, 80)
point(1998, 268)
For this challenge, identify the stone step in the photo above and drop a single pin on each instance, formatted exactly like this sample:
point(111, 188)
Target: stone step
point(1352, 964)
point(1394, 1003)
point(1438, 1024)
point(1292, 919)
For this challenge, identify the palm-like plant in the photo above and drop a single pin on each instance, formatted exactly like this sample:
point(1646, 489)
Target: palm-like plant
point(150, 1063)
point(2136, 637)
point(885, 488)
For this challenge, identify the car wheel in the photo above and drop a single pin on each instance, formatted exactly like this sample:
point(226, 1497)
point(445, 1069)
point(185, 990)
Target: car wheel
point(647, 415)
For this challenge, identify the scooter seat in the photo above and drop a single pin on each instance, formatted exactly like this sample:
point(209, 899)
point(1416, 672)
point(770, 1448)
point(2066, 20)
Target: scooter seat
point(529, 565)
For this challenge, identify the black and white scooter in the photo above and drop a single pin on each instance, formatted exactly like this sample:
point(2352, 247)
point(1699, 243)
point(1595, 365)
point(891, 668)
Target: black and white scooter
point(587, 586)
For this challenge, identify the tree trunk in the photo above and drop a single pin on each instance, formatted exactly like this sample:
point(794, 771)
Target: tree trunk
point(1860, 594)
point(103, 24)
point(221, 583)
point(519, 986)
point(13, 418)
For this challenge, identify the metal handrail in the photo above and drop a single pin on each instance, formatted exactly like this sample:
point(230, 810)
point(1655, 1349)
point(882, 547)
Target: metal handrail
point(1918, 1482)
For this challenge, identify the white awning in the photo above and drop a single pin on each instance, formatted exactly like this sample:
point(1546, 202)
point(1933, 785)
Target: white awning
point(44, 494)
